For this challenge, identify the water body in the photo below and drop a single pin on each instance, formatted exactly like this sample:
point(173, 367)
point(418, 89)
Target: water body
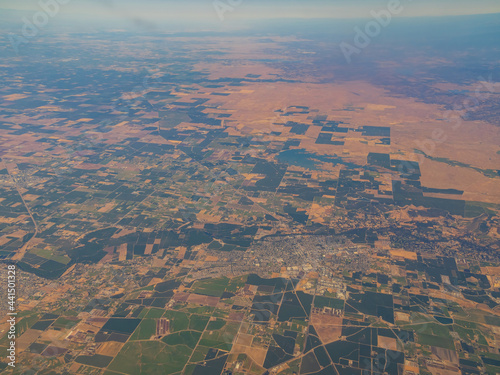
point(304, 159)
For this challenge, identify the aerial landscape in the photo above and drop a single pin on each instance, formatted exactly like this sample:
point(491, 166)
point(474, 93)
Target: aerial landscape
point(280, 187)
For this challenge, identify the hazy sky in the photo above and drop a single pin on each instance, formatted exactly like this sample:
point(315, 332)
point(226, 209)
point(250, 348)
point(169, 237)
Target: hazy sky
point(204, 10)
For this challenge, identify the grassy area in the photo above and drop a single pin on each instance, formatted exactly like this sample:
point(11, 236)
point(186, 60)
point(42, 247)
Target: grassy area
point(222, 338)
point(439, 341)
point(200, 353)
point(145, 330)
point(187, 338)
point(236, 283)
point(211, 287)
point(465, 334)
point(474, 209)
point(63, 322)
point(155, 313)
point(150, 357)
point(179, 321)
point(493, 320)
point(198, 323)
point(201, 310)
point(216, 324)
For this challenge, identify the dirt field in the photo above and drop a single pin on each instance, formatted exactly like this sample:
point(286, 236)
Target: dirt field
point(445, 354)
point(110, 348)
point(258, 355)
point(387, 343)
point(402, 316)
point(53, 335)
point(443, 371)
point(203, 300)
point(404, 254)
point(244, 339)
point(26, 339)
point(329, 328)
point(236, 316)
point(181, 297)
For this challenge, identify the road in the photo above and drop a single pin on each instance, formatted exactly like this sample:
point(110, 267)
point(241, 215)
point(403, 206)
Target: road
point(22, 251)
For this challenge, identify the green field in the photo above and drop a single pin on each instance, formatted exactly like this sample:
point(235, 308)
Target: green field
point(236, 283)
point(187, 338)
point(151, 358)
point(179, 321)
point(198, 322)
point(211, 287)
point(145, 330)
point(431, 340)
point(63, 322)
point(221, 338)
point(201, 310)
point(199, 354)
point(320, 302)
point(155, 313)
point(435, 329)
point(216, 324)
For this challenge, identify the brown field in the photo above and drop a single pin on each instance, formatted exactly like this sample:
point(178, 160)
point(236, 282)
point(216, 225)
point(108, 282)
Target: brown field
point(493, 271)
point(110, 348)
point(387, 343)
point(149, 249)
point(181, 297)
point(322, 319)
point(244, 339)
point(53, 351)
point(328, 333)
point(438, 370)
point(245, 327)
point(402, 316)
point(445, 354)
point(404, 254)
point(411, 366)
point(476, 186)
point(93, 326)
point(182, 251)
point(122, 252)
point(329, 328)
point(109, 255)
point(26, 339)
point(122, 233)
point(54, 296)
point(52, 335)
point(258, 355)
point(236, 316)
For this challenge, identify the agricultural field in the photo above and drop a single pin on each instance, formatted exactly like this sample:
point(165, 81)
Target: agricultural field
point(244, 201)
